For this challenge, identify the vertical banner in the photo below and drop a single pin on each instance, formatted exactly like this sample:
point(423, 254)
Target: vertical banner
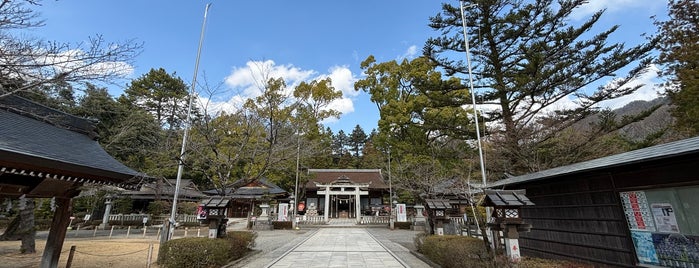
point(402, 214)
point(283, 213)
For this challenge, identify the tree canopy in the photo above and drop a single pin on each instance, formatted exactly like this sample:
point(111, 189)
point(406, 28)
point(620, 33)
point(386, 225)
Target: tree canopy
point(679, 54)
point(530, 58)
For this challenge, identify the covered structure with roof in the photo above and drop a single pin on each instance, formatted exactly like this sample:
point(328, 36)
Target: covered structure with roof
point(163, 189)
point(45, 153)
point(639, 208)
point(345, 193)
point(246, 195)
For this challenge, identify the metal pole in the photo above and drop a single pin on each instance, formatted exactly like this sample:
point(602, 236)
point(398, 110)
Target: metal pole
point(473, 98)
point(180, 167)
point(296, 188)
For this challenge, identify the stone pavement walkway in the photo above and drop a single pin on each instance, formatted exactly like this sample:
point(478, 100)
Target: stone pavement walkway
point(333, 247)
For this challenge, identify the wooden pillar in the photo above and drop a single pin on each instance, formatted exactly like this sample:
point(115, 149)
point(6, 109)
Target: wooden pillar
point(59, 226)
point(357, 205)
point(327, 203)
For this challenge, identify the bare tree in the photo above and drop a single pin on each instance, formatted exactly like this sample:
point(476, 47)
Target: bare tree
point(28, 62)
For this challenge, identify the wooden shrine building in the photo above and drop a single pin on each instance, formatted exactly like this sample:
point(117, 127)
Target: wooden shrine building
point(45, 153)
point(639, 208)
point(245, 195)
point(346, 193)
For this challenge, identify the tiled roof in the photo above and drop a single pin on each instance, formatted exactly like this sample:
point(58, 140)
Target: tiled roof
point(662, 151)
point(359, 176)
point(55, 150)
point(501, 198)
point(247, 189)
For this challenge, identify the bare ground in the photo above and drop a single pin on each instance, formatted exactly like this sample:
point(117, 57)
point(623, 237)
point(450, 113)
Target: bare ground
point(116, 253)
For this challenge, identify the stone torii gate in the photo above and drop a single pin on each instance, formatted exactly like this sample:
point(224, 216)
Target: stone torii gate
point(343, 187)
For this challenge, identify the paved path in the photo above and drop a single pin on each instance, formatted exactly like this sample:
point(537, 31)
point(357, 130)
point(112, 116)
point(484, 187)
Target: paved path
point(334, 247)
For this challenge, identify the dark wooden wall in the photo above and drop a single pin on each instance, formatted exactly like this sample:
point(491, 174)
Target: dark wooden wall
point(579, 217)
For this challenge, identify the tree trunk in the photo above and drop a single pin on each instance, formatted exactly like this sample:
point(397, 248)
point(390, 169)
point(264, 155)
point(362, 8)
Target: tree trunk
point(22, 227)
point(27, 227)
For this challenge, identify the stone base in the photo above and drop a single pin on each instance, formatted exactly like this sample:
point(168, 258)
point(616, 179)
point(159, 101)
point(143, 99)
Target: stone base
point(418, 226)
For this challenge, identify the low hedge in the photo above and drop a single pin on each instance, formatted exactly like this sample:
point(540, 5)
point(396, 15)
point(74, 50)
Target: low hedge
point(463, 251)
point(205, 252)
point(282, 225)
point(402, 225)
point(454, 251)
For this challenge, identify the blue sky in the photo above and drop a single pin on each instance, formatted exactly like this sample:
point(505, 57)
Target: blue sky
point(297, 40)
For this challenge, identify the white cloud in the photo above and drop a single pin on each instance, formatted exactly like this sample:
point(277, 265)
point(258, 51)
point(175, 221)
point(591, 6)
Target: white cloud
point(342, 79)
point(248, 81)
point(409, 53)
point(251, 78)
point(613, 6)
point(647, 92)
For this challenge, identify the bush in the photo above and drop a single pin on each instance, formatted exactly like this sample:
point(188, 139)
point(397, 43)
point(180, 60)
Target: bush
point(402, 225)
point(282, 225)
point(241, 242)
point(454, 251)
point(205, 252)
point(463, 251)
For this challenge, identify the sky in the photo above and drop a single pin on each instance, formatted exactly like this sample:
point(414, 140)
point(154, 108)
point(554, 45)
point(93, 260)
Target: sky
point(296, 40)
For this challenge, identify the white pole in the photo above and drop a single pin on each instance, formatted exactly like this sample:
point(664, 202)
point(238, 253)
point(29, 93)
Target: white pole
point(180, 167)
point(473, 99)
point(296, 188)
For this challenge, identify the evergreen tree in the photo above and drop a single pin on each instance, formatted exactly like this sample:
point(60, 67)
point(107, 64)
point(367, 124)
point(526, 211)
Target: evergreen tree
point(356, 140)
point(679, 54)
point(529, 58)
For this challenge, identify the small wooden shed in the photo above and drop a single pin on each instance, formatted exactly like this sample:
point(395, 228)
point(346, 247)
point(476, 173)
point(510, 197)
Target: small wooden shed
point(46, 153)
point(639, 208)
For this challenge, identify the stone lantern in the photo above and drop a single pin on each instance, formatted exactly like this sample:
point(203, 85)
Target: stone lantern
point(438, 213)
point(213, 211)
point(507, 205)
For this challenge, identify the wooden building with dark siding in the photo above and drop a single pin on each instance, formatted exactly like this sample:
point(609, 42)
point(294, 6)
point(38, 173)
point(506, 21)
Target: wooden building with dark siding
point(639, 208)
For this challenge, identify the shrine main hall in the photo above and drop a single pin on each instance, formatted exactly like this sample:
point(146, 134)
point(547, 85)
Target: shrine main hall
point(346, 193)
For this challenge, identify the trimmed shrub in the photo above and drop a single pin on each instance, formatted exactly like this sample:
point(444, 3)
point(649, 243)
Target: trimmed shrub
point(454, 251)
point(241, 242)
point(402, 225)
point(463, 251)
point(205, 252)
point(282, 225)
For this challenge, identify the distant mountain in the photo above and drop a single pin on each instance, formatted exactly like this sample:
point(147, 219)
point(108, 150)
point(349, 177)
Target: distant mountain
point(642, 120)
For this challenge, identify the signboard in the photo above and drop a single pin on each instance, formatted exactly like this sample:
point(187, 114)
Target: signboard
point(283, 212)
point(402, 214)
point(638, 214)
point(201, 213)
point(664, 216)
point(645, 250)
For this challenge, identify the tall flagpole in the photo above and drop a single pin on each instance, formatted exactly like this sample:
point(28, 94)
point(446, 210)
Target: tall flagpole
point(473, 97)
point(180, 167)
